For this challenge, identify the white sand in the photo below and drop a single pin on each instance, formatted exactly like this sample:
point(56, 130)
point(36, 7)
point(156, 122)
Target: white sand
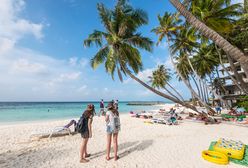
point(140, 145)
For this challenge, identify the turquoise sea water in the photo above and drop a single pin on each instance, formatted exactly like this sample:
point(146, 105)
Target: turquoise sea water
point(35, 111)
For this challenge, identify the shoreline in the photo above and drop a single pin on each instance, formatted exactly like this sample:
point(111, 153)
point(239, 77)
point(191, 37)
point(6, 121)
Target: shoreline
point(154, 107)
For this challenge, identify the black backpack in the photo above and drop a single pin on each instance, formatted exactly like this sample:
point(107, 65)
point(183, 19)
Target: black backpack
point(80, 126)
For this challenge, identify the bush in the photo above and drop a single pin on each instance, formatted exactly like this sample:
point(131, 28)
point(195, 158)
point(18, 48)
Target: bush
point(243, 102)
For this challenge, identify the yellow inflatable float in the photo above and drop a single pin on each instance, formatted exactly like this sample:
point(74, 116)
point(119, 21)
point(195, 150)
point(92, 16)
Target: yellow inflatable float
point(232, 149)
point(215, 157)
point(148, 122)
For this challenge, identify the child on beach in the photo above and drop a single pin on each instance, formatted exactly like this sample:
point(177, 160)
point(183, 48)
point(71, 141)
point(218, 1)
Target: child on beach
point(113, 127)
point(86, 131)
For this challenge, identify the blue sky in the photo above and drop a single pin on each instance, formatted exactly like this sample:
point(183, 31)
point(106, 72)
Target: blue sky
point(42, 57)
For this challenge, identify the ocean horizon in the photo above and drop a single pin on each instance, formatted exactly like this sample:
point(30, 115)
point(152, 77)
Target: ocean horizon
point(14, 111)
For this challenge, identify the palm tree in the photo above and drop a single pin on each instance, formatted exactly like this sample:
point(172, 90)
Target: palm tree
point(120, 43)
point(216, 14)
point(233, 51)
point(205, 61)
point(160, 79)
point(185, 41)
point(168, 28)
point(245, 6)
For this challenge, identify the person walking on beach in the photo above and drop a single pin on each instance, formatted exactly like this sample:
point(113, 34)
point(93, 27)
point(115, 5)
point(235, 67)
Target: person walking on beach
point(113, 127)
point(218, 108)
point(101, 112)
point(116, 104)
point(85, 129)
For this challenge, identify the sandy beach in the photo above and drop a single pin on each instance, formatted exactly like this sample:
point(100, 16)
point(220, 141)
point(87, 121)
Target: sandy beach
point(140, 145)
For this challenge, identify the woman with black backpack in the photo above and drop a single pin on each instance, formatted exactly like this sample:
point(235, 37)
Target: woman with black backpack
point(84, 127)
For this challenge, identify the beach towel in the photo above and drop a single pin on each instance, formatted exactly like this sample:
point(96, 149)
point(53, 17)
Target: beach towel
point(243, 162)
point(233, 116)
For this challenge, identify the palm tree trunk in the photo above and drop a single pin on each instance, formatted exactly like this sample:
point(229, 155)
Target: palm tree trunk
point(181, 97)
point(229, 49)
point(196, 84)
point(207, 96)
point(245, 6)
point(204, 93)
point(191, 89)
point(237, 75)
point(171, 94)
point(160, 93)
point(228, 73)
point(184, 80)
point(204, 83)
point(201, 93)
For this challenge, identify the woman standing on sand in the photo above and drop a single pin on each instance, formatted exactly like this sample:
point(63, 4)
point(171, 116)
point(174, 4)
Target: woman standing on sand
point(113, 127)
point(86, 132)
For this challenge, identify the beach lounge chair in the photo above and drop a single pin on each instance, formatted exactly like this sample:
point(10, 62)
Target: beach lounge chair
point(55, 132)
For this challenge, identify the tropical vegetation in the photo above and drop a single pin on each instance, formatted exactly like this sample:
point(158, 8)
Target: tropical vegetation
point(202, 37)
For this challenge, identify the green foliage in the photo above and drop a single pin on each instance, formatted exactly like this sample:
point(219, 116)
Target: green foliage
point(120, 41)
point(160, 77)
point(216, 14)
point(243, 102)
point(205, 60)
point(239, 35)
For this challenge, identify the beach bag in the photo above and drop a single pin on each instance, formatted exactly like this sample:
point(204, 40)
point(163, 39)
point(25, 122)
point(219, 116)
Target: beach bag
point(80, 126)
point(115, 125)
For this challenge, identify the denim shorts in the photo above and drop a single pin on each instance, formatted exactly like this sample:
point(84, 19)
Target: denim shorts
point(110, 130)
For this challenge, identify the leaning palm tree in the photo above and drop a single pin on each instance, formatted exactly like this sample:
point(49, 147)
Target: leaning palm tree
point(160, 79)
point(220, 16)
point(168, 28)
point(233, 51)
point(120, 43)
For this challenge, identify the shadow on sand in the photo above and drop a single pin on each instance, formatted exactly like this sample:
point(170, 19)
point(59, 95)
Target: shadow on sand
point(128, 148)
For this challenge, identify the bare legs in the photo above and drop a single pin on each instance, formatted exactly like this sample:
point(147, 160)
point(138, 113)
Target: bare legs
point(83, 151)
point(109, 139)
point(72, 122)
point(115, 138)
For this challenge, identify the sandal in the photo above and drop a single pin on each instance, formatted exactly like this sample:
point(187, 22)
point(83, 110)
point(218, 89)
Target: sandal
point(107, 158)
point(84, 160)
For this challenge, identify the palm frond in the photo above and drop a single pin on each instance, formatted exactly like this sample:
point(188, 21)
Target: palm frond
point(95, 38)
point(100, 57)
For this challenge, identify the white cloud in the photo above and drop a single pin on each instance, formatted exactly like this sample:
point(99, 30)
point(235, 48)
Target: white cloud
point(30, 75)
point(13, 27)
point(143, 75)
point(83, 62)
point(73, 61)
point(163, 46)
point(82, 88)
point(67, 77)
point(6, 44)
point(25, 66)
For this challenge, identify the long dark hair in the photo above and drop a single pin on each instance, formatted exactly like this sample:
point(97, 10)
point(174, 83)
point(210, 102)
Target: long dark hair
point(112, 108)
point(89, 111)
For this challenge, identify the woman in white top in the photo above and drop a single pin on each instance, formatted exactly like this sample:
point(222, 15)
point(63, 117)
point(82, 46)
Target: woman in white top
point(113, 127)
